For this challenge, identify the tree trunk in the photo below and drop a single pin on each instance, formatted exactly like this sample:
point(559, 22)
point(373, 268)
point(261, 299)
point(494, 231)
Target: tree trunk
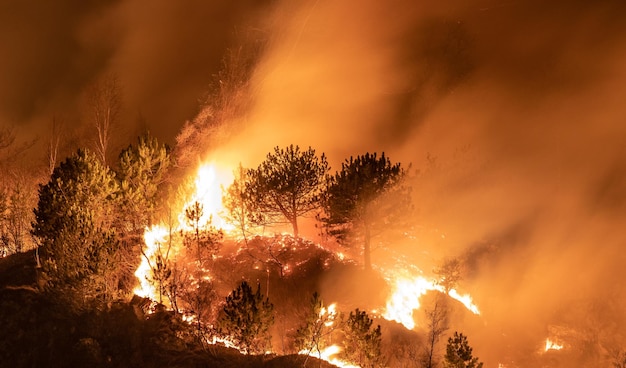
point(294, 224)
point(367, 251)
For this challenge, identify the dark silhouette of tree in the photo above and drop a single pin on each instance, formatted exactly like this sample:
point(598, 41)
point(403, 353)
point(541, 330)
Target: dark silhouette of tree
point(437, 323)
point(10, 149)
point(246, 319)
point(459, 353)
point(314, 334)
point(449, 274)
point(364, 198)
point(198, 298)
point(286, 185)
point(362, 342)
point(104, 104)
point(619, 358)
point(73, 222)
point(230, 97)
point(56, 133)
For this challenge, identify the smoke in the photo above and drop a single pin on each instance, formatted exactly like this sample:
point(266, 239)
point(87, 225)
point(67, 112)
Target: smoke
point(163, 53)
point(511, 115)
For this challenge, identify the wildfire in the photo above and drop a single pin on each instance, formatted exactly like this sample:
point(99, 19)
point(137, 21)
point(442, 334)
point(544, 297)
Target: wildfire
point(207, 192)
point(210, 179)
point(152, 237)
point(327, 316)
point(332, 314)
point(329, 355)
point(406, 299)
point(552, 345)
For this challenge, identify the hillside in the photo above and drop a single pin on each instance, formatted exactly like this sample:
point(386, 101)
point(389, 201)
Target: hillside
point(40, 329)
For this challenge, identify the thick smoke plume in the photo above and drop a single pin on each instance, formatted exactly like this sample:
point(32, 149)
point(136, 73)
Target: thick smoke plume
point(511, 115)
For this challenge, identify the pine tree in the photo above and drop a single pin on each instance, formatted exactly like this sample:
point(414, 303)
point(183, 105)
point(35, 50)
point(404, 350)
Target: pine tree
point(246, 319)
point(142, 170)
point(205, 237)
point(362, 343)
point(237, 203)
point(363, 198)
point(459, 353)
point(286, 186)
point(319, 323)
point(73, 225)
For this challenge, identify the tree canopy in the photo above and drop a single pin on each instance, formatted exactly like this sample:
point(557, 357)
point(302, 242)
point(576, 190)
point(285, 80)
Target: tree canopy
point(362, 342)
point(459, 353)
point(73, 222)
point(363, 197)
point(246, 318)
point(142, 169)
point(286, 185)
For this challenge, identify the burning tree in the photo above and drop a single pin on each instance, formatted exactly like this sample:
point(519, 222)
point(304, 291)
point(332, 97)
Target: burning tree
point(314, 334)
point(203, 236)
point(286, 185)
point(362, 199)
point(436, 319)
point(362, 342)
point(449, 274)
point(73, 225)
point(459, 353)
point(246, 319)
point(141, 173)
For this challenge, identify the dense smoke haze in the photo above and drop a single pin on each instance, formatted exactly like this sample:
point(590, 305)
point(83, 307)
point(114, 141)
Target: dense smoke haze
point(163, 53)
point(511, 114)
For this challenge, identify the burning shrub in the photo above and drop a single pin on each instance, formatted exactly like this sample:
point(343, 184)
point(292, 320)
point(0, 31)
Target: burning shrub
point(314, 335)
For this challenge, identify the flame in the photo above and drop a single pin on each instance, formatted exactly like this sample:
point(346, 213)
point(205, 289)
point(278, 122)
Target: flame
point(153, 237)
point(552, 345)
point(406, 299)
point(332, 314)
point(466, 300)
point(328, 316)
point(210, 179)
point(329, 355)
point(207, 191)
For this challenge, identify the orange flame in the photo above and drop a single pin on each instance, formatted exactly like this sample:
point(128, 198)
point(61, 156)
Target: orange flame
point(406, 299)
point(152, 237)
point(207, 191)
point(552, 345)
